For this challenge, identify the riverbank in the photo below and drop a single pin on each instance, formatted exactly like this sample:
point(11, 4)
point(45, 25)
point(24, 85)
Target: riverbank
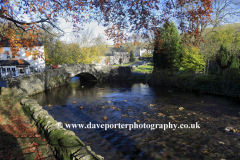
point(226, 85)
point(19, 138)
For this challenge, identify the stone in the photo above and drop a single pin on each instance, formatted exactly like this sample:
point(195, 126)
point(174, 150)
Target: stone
point(70, 141)
point(29, 102)
point(23, 101)
point(36, 114)
point(35, 108)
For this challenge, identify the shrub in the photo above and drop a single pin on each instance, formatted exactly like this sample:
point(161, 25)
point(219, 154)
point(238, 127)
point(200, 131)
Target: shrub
point(232, 74)
point(132, 58)
point(223, 58)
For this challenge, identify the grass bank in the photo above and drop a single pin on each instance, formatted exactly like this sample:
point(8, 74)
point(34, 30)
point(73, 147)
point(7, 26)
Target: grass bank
point(19, 138)
point(145, 68)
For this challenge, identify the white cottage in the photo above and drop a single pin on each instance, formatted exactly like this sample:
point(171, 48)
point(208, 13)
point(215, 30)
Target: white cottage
point(13, 68)
point(117, 55)
point(114, 56)
point(8, 62)
point(139, 51)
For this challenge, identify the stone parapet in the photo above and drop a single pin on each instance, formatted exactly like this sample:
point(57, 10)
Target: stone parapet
point(64, 143)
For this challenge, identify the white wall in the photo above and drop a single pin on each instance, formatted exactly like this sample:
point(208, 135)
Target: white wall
point(139, 52)
point(38, 63)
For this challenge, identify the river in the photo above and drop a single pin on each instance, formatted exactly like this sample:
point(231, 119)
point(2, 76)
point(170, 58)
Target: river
point(129, 103)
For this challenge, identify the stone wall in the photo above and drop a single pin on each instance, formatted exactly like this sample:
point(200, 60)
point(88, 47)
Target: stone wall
point(52, 78)
point(64, 143)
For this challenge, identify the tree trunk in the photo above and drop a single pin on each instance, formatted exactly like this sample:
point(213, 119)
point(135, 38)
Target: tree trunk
point(207, 66)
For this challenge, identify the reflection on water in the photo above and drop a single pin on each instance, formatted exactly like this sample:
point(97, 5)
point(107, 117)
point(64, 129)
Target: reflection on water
point(127, 103)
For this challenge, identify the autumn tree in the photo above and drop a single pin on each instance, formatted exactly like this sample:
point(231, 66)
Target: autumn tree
point(91, 47)
point(192, 59)
point(121, 17)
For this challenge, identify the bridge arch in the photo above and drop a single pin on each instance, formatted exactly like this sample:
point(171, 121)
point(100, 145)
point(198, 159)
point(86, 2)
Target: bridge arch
point(86, 76)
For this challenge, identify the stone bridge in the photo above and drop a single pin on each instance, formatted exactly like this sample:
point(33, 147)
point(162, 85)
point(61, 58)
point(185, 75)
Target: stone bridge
point(52, 78)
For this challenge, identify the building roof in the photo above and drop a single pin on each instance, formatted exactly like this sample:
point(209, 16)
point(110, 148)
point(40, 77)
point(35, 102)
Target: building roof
point(5, 42)
point(13, 63)
point(120, 49)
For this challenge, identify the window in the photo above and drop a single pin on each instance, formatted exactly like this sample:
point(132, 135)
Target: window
point(21, 71)
point(4, 69)
point(13, 69)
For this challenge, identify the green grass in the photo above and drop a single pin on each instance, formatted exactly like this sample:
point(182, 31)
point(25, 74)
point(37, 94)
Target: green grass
point(126, 64)
point(145, 68)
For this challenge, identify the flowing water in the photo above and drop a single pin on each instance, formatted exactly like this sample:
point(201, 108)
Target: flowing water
point(129, 103)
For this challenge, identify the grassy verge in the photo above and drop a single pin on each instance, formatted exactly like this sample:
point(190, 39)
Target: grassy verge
point(145, 68)
point(126, 64)
point(19, 138)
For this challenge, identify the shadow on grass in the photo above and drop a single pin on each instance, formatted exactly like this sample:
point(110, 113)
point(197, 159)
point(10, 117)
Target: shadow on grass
point(9, 147)
point(17, 136)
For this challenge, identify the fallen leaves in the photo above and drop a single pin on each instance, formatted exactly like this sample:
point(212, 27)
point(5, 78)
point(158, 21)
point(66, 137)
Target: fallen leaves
point(181, 108)
point(105, 118)
point(161, 115)
point(74, 102)
point(15, 123)
point(151, 105)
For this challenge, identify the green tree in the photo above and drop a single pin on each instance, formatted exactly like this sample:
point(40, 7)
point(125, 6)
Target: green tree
point(167, 48)
point(132, 59)
point(192, 59)
point(223, 58)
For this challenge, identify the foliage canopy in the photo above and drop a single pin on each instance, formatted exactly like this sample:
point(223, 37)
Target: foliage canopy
point(136, 16)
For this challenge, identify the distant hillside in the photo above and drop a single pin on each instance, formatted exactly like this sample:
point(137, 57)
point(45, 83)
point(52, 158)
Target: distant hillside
point(227, 26)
